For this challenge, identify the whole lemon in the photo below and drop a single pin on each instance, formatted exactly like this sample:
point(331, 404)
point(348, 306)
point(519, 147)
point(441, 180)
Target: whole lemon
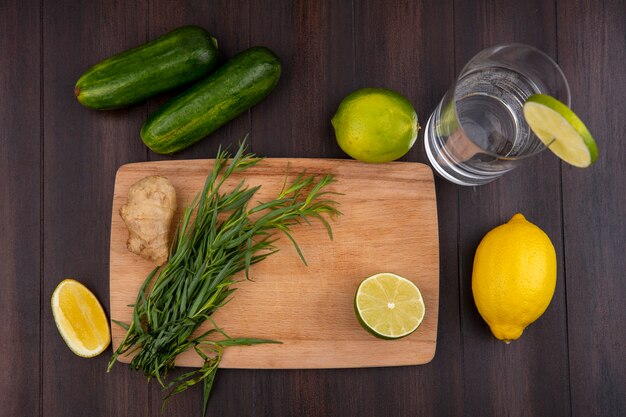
point(375, 125)
point(514, 277)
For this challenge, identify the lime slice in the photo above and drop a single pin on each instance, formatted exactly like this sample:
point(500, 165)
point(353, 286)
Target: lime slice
point(389, 306)
point(80, 319)
point(560, 130)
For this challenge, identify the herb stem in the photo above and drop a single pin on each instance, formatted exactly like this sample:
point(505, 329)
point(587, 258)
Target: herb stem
point(177, 298)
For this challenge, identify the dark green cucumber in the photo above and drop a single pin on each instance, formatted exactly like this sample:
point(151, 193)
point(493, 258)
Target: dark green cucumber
point(177, 58)
point(238, 85)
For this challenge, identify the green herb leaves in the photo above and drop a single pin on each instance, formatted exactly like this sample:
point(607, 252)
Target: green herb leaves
point(216, 238)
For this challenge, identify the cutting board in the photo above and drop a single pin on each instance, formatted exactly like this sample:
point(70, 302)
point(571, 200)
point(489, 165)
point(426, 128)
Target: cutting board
point(389, 224)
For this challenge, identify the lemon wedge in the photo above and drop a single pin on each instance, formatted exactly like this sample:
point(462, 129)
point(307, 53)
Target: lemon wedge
point(80, 319)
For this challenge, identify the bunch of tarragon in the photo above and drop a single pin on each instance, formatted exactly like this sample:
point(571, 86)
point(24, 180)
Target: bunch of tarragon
point(216, 238)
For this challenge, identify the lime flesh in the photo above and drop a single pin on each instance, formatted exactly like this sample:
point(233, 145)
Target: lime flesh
point(375, 125)
point(560, 130)
point(389, 306)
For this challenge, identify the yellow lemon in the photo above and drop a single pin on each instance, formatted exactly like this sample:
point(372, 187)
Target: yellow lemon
point(514, 277)
point(80, 319)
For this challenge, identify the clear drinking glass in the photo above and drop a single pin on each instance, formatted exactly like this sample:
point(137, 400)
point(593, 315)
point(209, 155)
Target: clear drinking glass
point(478, 131)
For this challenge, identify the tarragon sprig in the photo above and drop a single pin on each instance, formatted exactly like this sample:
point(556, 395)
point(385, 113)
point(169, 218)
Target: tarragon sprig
point(216, 238)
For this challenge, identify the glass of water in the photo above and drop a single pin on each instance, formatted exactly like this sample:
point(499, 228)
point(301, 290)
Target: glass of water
point(478, 131)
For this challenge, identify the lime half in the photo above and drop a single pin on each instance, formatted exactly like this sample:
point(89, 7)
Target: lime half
point(560, 130)
point(389, 306)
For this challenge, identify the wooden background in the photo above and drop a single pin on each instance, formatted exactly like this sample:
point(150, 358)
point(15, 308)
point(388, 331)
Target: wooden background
point(58, 161)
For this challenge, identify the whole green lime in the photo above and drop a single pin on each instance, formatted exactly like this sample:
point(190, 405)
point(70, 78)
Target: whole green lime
point(375, 125)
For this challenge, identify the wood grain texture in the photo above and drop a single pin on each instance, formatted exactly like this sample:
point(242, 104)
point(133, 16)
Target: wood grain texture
point(20, 214)
point(56, 181)
point(400, 47)
point(308, 308)
point(314, 40)
point(314, 43)
point(528, 377)
point(594, 206)
point(82, 151)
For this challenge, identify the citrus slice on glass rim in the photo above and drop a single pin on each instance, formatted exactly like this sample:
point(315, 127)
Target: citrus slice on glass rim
point(558, 127)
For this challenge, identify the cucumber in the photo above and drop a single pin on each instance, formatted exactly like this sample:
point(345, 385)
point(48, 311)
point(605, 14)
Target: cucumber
point(236, 86)
point(177, 58)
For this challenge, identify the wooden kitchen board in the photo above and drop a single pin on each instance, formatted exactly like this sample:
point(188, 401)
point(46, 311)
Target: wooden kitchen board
point(389, 224)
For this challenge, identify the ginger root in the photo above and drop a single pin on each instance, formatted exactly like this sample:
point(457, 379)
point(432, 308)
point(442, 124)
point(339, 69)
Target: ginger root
point(148, 216)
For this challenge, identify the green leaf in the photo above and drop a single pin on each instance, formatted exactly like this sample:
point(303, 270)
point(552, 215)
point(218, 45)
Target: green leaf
point(215, 239)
